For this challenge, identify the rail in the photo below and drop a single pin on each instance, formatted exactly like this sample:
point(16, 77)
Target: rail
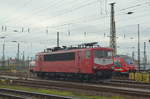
point(90, 87)
point(27, 95)
point(121, 87)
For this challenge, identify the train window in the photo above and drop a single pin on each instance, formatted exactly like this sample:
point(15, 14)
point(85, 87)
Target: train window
point(87, 54)
point(98, 54)
point(128, 60)
point(59, 57)
point(102, 54)
point(109, 54)
point(117, 63)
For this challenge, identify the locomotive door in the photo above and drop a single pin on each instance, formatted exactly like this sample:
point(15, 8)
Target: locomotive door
point(40, 62)
point(79, 61)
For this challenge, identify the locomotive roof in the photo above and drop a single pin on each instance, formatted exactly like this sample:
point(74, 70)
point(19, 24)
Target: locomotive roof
point(75, 50)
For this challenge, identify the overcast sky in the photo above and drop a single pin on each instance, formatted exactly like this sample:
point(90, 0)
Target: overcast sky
point(84, 20)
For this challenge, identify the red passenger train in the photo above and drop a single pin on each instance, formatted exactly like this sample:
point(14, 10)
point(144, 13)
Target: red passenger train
point(86, 62)
point(124, 64)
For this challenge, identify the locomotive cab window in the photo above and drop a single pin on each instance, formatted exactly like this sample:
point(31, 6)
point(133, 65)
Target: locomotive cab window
point(102, 54)
point(87, 54)
point(128, 60)
point(117, 63)
point(103, 57)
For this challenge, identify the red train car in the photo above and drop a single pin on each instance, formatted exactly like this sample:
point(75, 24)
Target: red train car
point(79, 63)
point(124, 64)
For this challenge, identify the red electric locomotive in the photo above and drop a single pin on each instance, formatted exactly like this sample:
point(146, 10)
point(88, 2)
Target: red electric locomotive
point(86, 62)
point(124, 64)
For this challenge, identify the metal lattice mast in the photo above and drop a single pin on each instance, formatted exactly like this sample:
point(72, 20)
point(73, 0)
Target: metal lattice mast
point(113, 30)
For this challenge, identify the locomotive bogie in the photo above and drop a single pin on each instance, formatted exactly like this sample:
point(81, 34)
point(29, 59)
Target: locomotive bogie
point(101, 75)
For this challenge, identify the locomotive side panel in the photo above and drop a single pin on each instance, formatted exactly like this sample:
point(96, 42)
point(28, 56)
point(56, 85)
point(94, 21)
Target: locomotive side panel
point(85, 61)
point(81, 63)
point(68, 66)
point(62, 62)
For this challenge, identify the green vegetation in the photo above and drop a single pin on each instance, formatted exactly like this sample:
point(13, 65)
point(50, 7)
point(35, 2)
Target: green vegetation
point(5, 68)
point(59, 92)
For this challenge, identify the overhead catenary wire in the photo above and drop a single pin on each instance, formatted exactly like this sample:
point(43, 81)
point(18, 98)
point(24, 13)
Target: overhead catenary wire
point(39, 10)
point(16, 17)
point(16, 9)
point(130, 7)
point(53, 27)
point(70, 10)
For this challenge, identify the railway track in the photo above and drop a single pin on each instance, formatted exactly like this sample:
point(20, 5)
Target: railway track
point(17, 74)
point(121, 87)
point(9, 96)
point(129, 81)
point(18, 94)
point(134, 92)
point(119, 83)
point(128, 85)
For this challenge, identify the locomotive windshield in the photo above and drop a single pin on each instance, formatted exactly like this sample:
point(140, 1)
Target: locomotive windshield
point(128, 60)
point(102, 54)
point(103, 57)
